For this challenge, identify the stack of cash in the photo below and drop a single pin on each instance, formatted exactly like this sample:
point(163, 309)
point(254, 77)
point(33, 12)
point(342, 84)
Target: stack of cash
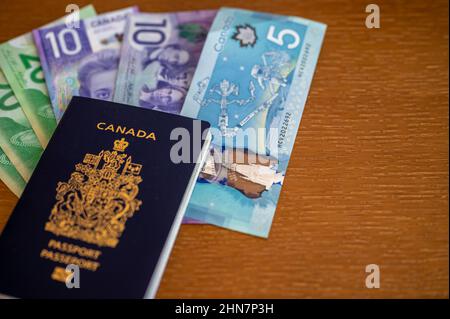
point(247, 73)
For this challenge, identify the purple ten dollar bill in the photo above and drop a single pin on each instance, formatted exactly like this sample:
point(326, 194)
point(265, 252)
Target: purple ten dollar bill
point(159, 56)
point(81, 61)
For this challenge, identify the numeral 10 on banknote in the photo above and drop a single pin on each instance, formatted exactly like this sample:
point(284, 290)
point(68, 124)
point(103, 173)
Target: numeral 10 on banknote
point(153, 33)
point(66, 39)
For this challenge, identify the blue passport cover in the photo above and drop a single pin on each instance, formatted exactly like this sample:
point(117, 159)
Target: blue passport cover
point(104, 197)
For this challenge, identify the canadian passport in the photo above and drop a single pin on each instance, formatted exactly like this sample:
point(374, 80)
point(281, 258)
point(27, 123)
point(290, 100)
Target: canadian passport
point(101, 211)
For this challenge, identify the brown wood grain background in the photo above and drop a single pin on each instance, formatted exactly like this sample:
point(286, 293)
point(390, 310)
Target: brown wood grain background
point(368, 178)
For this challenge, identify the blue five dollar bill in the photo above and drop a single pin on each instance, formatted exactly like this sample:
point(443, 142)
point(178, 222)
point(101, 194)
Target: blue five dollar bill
point(251, 84)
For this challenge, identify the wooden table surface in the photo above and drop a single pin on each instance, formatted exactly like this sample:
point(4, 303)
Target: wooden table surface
point(367, 181)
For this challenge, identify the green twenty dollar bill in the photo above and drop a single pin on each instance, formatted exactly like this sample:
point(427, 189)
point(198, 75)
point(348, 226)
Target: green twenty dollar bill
point(10, 176)
point(17, 138)
point(20, 62)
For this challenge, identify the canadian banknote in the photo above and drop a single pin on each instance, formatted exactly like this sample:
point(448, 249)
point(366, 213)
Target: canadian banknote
point(251, 84)
point(17, 138)
point(81, 61)
point(20, 62)
point(10, 176)
point(159, 56)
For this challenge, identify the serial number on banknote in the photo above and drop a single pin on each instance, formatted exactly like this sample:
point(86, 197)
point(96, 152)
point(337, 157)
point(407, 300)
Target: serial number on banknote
point(284, 129)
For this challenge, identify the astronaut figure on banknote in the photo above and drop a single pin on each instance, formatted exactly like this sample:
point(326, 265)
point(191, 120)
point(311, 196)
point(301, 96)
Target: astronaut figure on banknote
point(226, 91)
point(95, 73)
point(169, 74)
point(268, 74)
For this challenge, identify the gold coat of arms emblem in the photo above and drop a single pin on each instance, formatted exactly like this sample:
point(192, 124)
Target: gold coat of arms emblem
point(100, 196)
